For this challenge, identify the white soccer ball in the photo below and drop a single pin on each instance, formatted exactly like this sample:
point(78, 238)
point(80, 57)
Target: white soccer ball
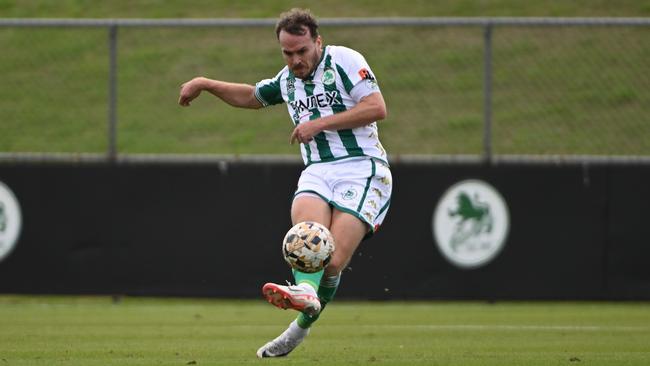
point(308, 247)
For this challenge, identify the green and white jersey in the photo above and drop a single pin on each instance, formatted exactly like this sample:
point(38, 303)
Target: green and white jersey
point(340, 81)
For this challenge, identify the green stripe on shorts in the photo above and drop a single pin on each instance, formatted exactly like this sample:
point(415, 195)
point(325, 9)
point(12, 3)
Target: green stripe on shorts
point(365, 191)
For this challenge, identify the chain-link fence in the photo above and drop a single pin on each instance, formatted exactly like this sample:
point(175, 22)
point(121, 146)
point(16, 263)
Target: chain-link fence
point(478, 87)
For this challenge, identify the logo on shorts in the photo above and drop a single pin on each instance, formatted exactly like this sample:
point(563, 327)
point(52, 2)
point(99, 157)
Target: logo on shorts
point(470, 223)
point(10, 221)
point(377, 192)
point(349, 194)
point(329, 77)
point(370, 217)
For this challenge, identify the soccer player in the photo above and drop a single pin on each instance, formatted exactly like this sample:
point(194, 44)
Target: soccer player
point(334, 102)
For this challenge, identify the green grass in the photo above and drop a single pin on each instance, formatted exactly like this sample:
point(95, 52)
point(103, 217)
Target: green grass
point(328, 8)
point(144, 331)
point(557, 90)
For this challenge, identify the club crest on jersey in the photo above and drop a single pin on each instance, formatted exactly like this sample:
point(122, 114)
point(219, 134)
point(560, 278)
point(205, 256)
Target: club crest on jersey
point(329, 77)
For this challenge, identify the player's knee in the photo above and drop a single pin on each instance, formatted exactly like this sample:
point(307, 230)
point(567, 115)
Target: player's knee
point(336, 265)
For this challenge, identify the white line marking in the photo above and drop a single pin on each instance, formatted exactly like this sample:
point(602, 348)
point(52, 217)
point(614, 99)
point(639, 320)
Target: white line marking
point(471, 327)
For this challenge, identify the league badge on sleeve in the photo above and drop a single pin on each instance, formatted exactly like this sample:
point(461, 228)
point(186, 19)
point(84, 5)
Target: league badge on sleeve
point(365, 74)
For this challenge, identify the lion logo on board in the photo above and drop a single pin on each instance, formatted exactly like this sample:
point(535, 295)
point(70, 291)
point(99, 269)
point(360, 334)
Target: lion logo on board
point(470, 223)
point(473, 218)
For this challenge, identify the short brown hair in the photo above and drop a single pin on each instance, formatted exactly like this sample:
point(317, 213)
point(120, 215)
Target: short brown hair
point(295, 21)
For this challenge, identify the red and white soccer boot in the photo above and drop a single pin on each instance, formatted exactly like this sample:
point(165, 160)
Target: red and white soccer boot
point(300, 297)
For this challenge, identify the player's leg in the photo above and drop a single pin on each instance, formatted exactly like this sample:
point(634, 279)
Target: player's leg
point(303, 296)
point(310, 207)
point(363, 194)
point(348, 232)
point(361, 197)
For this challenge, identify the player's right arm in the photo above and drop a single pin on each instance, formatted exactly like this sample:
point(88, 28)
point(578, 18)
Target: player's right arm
point(235, 94)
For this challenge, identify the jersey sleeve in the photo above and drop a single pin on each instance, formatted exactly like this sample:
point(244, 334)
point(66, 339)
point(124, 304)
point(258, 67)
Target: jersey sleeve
point(357, 77)
point(269, 92)
point(363, 89)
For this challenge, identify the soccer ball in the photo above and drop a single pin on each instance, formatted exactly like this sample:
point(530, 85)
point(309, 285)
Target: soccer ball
point(308, 247)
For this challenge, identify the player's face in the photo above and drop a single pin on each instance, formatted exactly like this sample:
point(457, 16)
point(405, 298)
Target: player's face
point(301, 53)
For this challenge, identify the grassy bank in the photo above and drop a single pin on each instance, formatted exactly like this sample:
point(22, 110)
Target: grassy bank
point(556, 90)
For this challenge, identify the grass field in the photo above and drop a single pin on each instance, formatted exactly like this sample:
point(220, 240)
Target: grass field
point(326, 8)
point(556, 90)
point(145, 331)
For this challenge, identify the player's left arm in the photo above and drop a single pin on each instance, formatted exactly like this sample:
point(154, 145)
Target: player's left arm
point(370, 108)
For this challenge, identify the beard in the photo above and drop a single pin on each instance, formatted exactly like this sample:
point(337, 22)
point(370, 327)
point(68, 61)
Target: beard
point(304, 70)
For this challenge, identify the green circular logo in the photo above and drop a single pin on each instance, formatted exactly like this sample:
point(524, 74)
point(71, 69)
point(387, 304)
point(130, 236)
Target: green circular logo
point(329, 77)
point(10, 221)
point(471, 223)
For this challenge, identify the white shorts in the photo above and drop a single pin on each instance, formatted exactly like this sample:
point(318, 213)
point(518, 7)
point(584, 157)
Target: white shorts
point(359, 186)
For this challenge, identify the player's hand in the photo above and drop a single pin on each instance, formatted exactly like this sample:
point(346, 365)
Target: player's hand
point(305, 132)
point(189, 91)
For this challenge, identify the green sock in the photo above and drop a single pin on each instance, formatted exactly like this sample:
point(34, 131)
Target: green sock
point(326, 292)
point(312, 279)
